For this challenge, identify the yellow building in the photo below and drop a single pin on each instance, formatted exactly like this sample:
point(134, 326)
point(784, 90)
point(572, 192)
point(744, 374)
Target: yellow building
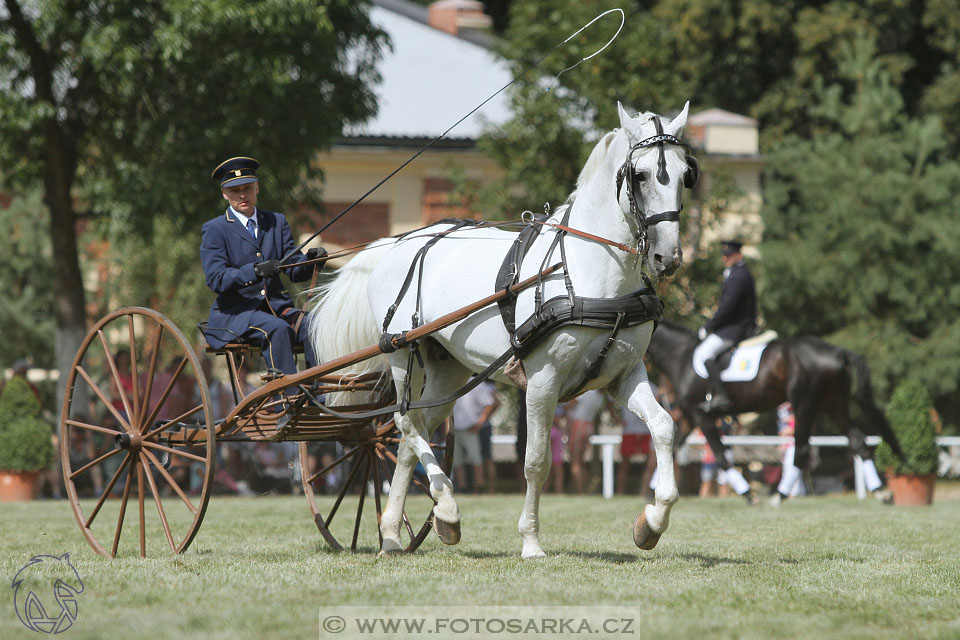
point(440, 67)
point(727, 145)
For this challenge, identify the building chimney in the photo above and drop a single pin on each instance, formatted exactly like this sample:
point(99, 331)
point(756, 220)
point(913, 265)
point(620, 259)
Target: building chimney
point(458, 16)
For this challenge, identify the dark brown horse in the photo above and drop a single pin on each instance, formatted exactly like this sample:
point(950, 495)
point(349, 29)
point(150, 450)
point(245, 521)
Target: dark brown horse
point(816, 377)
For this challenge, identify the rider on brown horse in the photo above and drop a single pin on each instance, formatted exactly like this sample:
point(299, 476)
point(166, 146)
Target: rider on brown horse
point(735, 319)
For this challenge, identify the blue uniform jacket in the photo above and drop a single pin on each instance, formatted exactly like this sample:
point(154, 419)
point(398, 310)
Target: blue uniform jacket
point(736, 316)
point(228, 253)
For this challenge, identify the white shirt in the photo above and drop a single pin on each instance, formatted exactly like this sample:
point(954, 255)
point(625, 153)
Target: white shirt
point(588, 406)
point(243, 220)
point(469, 408)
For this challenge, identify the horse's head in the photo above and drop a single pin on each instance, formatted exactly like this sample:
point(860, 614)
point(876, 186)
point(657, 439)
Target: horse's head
point(656, 168)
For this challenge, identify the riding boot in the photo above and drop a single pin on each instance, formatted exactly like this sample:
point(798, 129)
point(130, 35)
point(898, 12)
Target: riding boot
point(717, 401)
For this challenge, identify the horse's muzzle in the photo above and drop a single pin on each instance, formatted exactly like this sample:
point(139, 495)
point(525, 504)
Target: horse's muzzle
point(666, 265)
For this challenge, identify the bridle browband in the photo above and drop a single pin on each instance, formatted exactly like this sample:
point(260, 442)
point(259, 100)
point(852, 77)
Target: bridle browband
point(627, 174)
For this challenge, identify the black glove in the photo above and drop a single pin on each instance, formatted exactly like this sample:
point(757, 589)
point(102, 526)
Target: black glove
point(267, 269)
point(317, 253)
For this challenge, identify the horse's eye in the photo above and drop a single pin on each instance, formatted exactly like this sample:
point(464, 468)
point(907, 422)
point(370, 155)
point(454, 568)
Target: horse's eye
point(641, 176)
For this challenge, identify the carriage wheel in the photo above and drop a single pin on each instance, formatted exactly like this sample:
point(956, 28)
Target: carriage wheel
point(345, 479)
point(114, 443)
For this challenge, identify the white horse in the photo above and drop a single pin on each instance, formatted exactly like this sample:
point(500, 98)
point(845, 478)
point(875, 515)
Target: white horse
point(461, 268)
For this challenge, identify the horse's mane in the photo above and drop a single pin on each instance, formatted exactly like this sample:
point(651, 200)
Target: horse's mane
point(595, 160)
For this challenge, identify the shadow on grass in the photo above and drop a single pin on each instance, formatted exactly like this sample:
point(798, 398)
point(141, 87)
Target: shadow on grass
point(612, 557)
point(708, 561)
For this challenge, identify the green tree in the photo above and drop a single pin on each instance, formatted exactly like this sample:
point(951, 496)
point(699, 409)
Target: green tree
point(860, 237)
point(122, 108)
point(26, 314)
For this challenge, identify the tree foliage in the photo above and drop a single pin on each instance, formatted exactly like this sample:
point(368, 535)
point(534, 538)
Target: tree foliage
point(859, 233)
point(25, 443)
point(121, 109)
point(26, 314)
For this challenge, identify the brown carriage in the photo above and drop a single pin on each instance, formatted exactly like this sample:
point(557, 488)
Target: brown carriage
point(149, 443)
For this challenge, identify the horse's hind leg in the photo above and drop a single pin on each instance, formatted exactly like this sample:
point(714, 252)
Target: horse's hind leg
point(638, 397)
point(443, 377)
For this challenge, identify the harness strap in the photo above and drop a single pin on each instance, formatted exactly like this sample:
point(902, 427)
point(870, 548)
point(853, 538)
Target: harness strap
point(598, 313)
point(509, 273)
point(418, 261)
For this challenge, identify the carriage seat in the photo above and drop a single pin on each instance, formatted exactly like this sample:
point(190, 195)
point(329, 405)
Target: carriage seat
point(239, 347)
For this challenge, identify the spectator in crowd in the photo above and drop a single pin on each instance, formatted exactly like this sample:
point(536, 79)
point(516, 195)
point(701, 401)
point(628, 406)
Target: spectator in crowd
point(713, 479)
point(555, 479)
point(470, 413)
point(83, 451)
point(122, 361)
point(582, 415)
point(634, 443)
point(486, 453)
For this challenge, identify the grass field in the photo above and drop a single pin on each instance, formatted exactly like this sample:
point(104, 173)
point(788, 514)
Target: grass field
point(819, 567)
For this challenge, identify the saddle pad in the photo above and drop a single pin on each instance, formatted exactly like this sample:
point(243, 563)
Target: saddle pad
point(743, 366)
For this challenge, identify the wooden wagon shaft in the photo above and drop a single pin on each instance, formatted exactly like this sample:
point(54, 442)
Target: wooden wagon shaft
point(275, 387)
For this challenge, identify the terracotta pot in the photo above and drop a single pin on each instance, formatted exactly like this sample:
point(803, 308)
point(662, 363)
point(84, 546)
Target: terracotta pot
point(911, 490)
point(18, 485)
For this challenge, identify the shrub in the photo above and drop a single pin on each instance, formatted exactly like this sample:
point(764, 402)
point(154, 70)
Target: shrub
point(24, 437)
point(909, 414)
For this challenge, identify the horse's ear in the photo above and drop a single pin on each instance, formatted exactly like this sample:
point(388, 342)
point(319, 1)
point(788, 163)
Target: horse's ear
point(626, 122)
point(675, 128)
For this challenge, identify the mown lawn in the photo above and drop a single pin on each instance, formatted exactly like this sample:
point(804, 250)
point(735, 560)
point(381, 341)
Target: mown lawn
point(819, 567)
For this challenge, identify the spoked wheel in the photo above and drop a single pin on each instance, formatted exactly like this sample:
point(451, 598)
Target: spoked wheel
point(352, 481)
point(134, 373)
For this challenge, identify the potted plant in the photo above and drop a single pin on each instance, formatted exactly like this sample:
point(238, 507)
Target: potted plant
point(911, 479)
point(26, 449)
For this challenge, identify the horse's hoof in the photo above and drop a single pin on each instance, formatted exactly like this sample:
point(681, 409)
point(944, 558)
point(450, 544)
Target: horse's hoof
point(643, 535)
point(390, 548)
point(532, 553)
point(449, 532)
point(776, 499)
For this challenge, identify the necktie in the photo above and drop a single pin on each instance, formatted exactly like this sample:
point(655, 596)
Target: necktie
point(252, 228)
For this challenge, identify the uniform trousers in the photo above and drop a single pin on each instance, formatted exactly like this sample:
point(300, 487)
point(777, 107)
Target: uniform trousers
point(276, 339)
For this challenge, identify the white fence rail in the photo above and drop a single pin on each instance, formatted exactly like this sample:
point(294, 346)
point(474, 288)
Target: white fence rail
point(608, 442)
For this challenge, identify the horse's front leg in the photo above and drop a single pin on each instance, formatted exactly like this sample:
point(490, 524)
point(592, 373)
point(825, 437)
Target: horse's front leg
point(441, 381)
point(541, 403)
point(635, 393)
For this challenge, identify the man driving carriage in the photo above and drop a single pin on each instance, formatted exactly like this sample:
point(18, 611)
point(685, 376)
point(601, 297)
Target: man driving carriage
point(241, 252)
point(735, 320)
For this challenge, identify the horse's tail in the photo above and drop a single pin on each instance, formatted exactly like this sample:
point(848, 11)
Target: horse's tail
point(342, 321)
point(873, 413)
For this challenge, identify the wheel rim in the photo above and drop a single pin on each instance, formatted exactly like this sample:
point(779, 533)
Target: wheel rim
point(349, 514)
point(116, 443)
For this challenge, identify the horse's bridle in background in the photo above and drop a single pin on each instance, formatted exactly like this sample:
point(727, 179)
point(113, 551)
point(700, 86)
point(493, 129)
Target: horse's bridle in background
point(627, 174)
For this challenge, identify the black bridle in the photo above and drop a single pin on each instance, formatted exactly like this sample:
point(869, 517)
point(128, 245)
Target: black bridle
point(627, 174)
